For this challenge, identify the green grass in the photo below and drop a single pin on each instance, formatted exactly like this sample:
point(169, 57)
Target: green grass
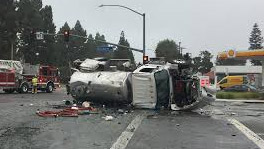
point(238, 95)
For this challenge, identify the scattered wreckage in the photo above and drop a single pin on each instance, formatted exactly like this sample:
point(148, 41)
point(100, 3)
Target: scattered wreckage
point(153, 86)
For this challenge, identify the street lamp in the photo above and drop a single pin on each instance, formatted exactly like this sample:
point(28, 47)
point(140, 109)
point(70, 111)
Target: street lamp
point(142, 14)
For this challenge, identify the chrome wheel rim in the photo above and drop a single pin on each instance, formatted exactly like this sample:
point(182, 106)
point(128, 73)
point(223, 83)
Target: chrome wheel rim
point(24, 88)
point(50, 88)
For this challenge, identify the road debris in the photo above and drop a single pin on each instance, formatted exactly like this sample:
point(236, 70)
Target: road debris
point(131, 129)
point(108, 118)
point(233, 113)
point(86, 104)
point(67, 102)
point(254, 114)
point(120, 111)
point(68, 112)
point(152, 116)
point(229, 124)
point(96, 144)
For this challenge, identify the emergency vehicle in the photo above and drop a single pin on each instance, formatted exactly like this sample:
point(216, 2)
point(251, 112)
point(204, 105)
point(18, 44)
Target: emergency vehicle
point(17, 77)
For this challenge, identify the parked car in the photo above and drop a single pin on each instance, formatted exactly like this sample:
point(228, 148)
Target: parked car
point(241, 88)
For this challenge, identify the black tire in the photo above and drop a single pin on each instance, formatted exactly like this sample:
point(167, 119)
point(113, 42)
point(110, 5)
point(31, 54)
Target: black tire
point(24, 88)
point(49, 88)
point(9, 91)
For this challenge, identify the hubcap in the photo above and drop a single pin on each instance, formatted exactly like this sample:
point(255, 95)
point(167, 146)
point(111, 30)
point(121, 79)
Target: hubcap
point(50, 88)
point(24, 88)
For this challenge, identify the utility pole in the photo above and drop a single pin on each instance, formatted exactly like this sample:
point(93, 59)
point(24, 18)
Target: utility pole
point(144, 35)
point(180, 48)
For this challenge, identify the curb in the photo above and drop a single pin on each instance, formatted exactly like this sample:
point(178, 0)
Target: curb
point(240, 100)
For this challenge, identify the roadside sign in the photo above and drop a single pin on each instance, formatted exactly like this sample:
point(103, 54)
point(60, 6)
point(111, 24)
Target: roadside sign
point(204, 81)
point(39, 35)
point(104, 49)
point(231, 53)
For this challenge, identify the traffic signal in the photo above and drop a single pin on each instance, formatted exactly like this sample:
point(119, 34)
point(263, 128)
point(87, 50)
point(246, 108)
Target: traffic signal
point(145, 59)
point(66, 35)
point(186, 56)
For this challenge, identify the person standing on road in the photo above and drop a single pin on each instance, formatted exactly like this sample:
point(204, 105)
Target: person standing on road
point(34, 84)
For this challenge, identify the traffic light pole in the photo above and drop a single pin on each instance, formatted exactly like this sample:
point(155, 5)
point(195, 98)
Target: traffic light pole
point(144, 35)
point(144, 31)
point(134, 49)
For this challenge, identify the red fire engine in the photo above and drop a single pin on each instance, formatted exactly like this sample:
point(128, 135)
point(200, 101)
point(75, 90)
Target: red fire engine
point(17, 77)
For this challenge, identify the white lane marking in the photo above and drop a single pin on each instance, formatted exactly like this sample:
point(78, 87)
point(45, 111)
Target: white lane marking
point(249, 133)
point(126, 135)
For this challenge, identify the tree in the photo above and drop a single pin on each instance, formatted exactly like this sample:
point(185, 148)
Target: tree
point(8, 27)
point(168, 49)
point(47, 50)
point(99, 37)
point(76, 44)
point(203, 63)
point(30, 19)
point(196, 64)
point(61, 53)
point(90, 46)
point(124, 53)
point(255, 41)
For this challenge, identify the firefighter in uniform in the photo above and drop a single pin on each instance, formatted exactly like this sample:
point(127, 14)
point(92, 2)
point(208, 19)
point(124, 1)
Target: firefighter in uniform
point(34, 84)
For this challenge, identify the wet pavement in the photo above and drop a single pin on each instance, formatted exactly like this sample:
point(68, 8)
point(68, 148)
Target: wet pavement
point(208, 128)
point(249, 114)
point(188, 131)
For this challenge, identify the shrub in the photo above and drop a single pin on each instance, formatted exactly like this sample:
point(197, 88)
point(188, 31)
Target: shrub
point(234, 95)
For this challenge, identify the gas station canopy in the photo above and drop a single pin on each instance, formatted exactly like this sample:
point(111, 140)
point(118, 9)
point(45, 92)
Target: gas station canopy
point(249, 54)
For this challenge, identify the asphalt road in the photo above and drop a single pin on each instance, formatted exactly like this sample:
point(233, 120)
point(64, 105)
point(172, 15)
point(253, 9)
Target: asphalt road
point(21, 128)
point(249, 114)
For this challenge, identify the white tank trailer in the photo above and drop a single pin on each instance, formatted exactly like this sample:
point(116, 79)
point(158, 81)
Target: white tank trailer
point(101, 86)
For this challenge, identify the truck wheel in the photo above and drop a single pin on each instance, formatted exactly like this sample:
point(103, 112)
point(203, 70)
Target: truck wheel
point(49, 88)
point(24, 88)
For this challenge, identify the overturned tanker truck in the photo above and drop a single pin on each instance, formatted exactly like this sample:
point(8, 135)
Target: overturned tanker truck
point(153, 85)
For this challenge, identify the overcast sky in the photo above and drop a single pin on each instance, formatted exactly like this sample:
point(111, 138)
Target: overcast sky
point(213, 25)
